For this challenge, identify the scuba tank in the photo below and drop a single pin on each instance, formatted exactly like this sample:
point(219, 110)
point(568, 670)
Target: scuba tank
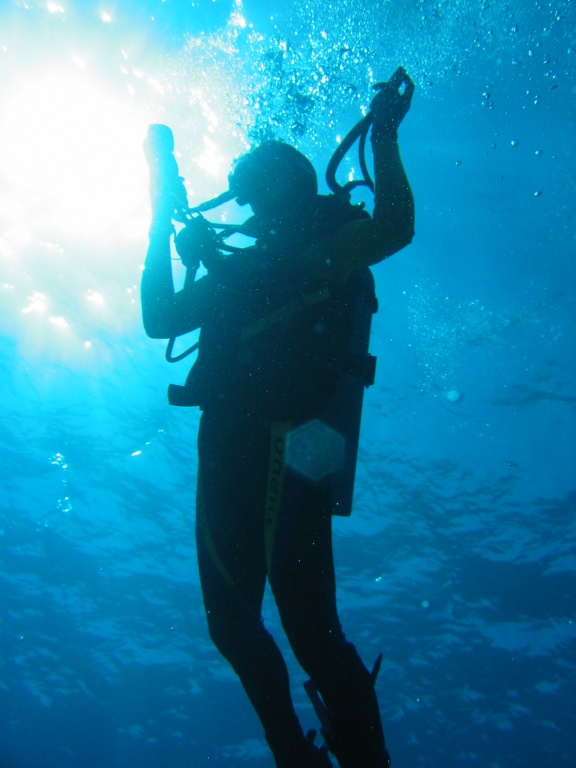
point(342, 411)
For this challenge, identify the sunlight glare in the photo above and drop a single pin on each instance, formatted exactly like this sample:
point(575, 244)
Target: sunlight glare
point(95, 298)
point(36, 303)
point(71, 153)
point(211, 160)
point(59, 322)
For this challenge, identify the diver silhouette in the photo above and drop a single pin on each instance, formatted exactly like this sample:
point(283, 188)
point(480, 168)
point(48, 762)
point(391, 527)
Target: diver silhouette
point(278, 366)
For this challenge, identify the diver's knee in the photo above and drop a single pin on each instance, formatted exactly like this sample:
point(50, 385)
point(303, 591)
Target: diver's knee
point(222, 632)
point(233, 635)
point(316, 648)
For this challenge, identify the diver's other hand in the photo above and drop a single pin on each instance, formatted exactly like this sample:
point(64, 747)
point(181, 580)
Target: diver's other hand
point(390, 105)
point(196, 242)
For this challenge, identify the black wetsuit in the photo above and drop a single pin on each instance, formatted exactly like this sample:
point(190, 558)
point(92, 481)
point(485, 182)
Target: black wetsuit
point(270, 361)
point(239, 545)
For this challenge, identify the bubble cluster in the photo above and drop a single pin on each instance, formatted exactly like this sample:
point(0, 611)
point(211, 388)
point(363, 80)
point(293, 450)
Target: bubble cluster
point(442, 328)
point(63, 504)
point(294, 78)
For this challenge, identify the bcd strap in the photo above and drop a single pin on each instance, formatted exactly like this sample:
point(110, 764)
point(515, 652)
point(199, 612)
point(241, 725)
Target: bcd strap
point(286, 311)
point(181, 395)
point(361, 367)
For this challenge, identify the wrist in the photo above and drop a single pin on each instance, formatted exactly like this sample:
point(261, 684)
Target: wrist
point(383, 134)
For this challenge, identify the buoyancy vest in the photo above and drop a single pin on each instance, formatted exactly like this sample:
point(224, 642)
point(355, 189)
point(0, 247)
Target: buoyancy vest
point(276, 343)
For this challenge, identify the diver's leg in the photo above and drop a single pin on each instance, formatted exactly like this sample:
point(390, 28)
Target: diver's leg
point(304, 587)
point(231, 481)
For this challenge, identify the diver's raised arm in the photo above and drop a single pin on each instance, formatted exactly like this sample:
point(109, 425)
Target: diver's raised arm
point(365, 242)
point(394, 202)
point(165, 312)
point(157, 285)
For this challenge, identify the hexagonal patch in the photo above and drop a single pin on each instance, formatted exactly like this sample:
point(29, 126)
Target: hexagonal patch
point(315, 450)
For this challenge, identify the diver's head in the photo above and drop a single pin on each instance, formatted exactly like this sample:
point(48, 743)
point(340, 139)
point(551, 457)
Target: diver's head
point(274, 179)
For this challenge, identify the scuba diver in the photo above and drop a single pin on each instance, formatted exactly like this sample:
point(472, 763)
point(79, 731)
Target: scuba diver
point(281, 367)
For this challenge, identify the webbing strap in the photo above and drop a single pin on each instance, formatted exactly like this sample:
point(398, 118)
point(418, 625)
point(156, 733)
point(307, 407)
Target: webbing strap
point(282, 313)
point(274, 487)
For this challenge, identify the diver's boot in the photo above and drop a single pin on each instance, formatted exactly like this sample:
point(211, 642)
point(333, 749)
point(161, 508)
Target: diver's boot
point(354, 735)
point(313, 756)
point(302, 753)
point(358, 747)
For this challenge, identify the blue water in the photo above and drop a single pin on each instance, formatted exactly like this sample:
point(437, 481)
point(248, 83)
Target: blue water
point(459, 562)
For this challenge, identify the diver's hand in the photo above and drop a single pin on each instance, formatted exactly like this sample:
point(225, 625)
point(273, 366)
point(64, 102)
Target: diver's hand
point(197, 242)
point(389, 106)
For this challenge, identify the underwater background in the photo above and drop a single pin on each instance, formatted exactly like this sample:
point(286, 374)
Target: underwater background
point(458, 563)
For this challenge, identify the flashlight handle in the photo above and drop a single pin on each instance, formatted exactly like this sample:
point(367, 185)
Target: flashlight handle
point(159, 139)
point(159, 148)
point(164, 175)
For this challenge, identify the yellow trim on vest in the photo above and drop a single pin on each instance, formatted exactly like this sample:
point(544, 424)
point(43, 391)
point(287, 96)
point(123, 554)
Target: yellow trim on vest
point(274, 486)
point(296, 305)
